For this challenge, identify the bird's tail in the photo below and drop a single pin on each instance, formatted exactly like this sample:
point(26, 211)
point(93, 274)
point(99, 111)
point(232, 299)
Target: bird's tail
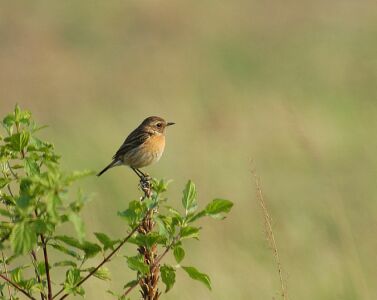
point(111, 165)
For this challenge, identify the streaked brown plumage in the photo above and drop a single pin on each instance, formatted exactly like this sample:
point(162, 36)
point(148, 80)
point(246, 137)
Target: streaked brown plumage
point(144, 146)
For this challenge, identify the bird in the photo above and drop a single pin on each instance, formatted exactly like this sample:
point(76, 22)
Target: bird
point(142, 147)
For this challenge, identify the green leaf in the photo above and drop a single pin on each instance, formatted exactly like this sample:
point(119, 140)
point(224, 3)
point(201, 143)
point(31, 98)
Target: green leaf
point(78, 224)
point(196, 275)
point(17, 111)
point(69, 241)
point(53, 202)
point(189, 232)
point(41, 226)
point(168, 276)
point(66, 251)
point(195, 216)
point(90, 249)
point(149, 240)
point(177, 219)
point(2, 286)
point(9, 121)
point(18, 141)
point(23, 202)
point(135, 263)
point(31, 166)
point(24, 117)
point(164, 226)
point(79, 202)
point(160, 186)
point(73, 276)
point(4, 182)
point(72, 279)
point(5, 213)
point(41, 267)
point(174, 211)
point(189, 197)
point(134, 213)
point(65, 263)
point(179, 254)
point(218, 206)
point(102, 273)
point(23, 238)
point(25, 186)
point(16, 275)
point(31, 285)
point(105, 240)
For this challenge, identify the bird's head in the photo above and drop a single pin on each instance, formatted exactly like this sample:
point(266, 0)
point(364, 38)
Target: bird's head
point(155, 125)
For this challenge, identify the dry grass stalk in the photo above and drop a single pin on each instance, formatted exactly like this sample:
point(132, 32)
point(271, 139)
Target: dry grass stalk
point(270, 234)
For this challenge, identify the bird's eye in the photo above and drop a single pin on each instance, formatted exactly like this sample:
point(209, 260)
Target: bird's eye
point(159, 125)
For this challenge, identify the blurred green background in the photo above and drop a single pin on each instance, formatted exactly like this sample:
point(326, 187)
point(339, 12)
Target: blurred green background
point(290, 85)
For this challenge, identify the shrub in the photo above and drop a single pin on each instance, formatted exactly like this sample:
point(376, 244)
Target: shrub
point(35, 202)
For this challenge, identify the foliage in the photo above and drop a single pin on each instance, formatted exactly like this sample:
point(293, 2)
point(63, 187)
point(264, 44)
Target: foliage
point(36, 203)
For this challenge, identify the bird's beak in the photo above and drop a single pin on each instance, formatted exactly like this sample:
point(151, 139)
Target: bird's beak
point(170, 123)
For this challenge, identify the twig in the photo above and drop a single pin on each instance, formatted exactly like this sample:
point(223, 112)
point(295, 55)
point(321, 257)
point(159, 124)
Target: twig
point(11, 170)
point(17, 287)
point(10, 191)
point(270, 234)
point(45, 255)
point(105, 260)
point(161, 256)
point(130, 289)
point(35, 264)
point(6, 272)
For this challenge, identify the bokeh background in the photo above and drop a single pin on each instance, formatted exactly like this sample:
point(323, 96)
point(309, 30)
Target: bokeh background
point(290, 85)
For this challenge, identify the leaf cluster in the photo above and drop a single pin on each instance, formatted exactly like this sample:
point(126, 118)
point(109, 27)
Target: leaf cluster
point(174, 227)
point(35, 202)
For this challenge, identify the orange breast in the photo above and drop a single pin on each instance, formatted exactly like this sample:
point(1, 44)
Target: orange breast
point(155, 143)
point(147, 153)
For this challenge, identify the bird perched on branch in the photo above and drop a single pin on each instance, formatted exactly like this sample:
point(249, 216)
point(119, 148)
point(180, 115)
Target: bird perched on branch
point(143, 147)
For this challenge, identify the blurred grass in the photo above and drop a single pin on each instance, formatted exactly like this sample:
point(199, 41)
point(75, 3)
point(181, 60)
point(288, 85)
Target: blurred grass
point(290, 85)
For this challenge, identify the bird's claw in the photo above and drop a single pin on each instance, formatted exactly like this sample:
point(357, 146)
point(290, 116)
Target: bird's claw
point(146, 186)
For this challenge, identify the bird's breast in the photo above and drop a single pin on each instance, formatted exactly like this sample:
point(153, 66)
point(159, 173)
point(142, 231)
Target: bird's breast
point(155, 144)
point(147, 153)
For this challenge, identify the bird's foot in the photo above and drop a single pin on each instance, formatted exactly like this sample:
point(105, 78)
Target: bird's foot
point(146, 186)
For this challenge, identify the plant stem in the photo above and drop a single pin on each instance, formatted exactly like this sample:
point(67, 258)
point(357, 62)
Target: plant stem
point(35, 264)
point(270, 234)
point(156, 262)
point(10, 191)
point(163, 254)
point(130, 289)
point(105, 260)
point(17, 287)
point(6, 272)
point(149, 283)
point(11, 170)
point(45, 255)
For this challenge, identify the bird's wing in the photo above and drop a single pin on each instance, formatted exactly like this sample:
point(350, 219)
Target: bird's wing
point(135, 139)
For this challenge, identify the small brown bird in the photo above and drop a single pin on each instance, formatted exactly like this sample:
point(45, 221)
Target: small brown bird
point(143, 147)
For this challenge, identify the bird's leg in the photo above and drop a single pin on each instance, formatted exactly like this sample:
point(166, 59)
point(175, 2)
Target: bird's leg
point(145, 175)
point(145, 183)
point(141, 176)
